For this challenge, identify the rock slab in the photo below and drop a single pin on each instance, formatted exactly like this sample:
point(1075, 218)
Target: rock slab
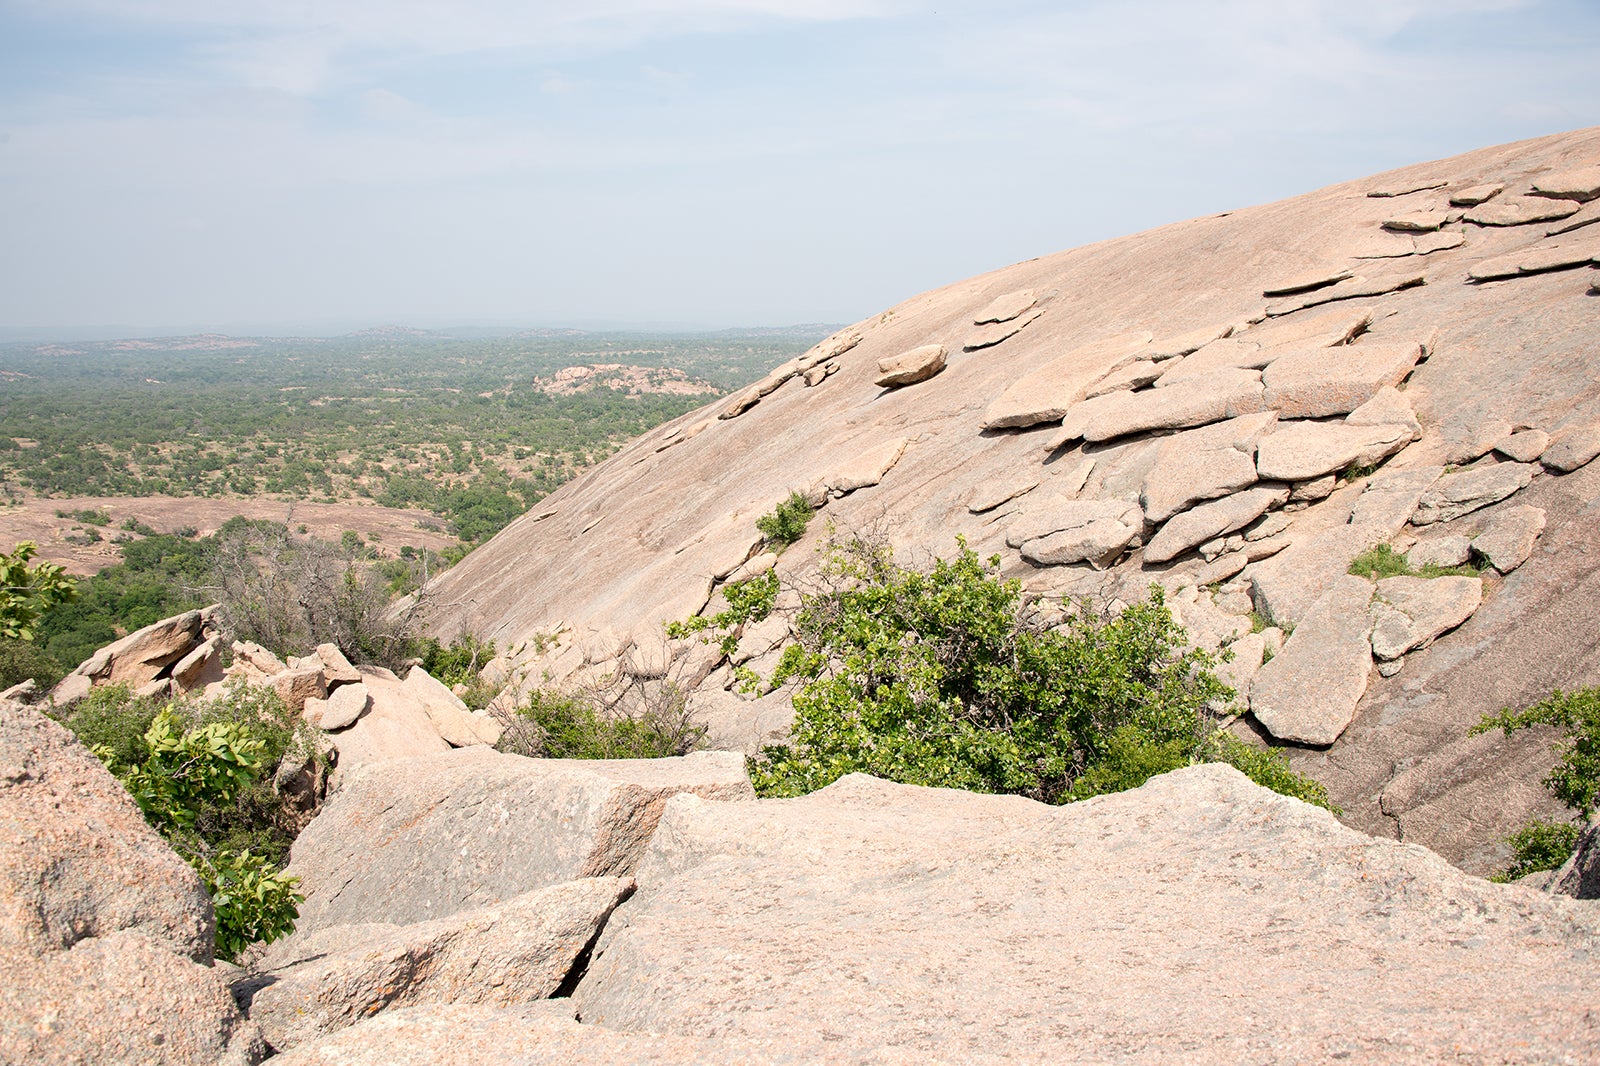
point(876, 919)
point(1308, 693)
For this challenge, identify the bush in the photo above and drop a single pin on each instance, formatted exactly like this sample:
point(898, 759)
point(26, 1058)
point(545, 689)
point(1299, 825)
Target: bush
point(201, 773)
point(557, 725)
point(1574, 780)
point(21, 660)
point(458, 664)
point(786, 523)
point(935, 679)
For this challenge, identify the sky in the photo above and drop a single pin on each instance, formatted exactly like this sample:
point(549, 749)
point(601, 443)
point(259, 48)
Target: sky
point(295, 166)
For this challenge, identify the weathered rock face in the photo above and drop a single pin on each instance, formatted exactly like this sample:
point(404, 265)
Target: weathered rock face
point(515, 953)
point(105, 933)
point(388, 846)
point(1079, 376)
point(874, 916)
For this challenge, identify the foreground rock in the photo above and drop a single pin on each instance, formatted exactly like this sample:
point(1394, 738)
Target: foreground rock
point(105, 934)
point(871, 916)
point(518, 952)
point(389, 844)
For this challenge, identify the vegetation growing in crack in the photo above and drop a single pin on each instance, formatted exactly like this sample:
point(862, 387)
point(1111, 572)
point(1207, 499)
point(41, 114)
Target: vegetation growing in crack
point(1574, 780)
point(1383, 561)
point(935, 678)
point(787, 522)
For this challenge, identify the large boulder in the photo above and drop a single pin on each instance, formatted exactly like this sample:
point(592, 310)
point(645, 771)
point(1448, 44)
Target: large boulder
point(520, 951)
point(410, 840)
point(105, 933)
point(1187, 920)
point(141, 657)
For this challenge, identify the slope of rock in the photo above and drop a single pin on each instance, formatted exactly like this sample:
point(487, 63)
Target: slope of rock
point(1199, 918)
point(1378, 328)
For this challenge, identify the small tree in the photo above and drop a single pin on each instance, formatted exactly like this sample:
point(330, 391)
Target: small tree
point(936, 678)
point(26, 591)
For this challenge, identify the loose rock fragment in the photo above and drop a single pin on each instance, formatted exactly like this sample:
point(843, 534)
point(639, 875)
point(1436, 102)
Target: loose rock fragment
point(1451, 549)
point(1468, 490)
point(1524, 446)
point(1049, 392)
point(1405, 188)
point(1554, 255)
point(1580, 183)
point(1315, 280)
point(1509, 539)
point(1424, 221)
point(908, 368)
point(1571, 448)
point(1388, 407)
point(1300, 451)
point(1212, 519)
point(1520, 210)
point(1209, 398)
point(1349, 289)
point(1474, 195)
point(1412, 612)
point(1309, 691)
point(1318, 383)
point(1092, 531)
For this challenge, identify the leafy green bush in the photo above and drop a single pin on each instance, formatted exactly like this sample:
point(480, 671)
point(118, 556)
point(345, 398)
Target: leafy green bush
point(559, 725)
point(787, 522)
point(21, 660)
point(935, 679)
point(201, 772)
point(1539, 845)
point(458, 663)
point(1574, 780)
point(26, 591)
point(748, 601)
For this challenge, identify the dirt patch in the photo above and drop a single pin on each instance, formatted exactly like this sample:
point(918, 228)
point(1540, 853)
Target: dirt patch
point(386, 529)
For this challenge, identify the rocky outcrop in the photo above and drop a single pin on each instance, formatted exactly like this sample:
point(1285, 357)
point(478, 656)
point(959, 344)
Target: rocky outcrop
point(874, 918)
point(105, 933)
point(181, 654)
point(517, 952)
point(387, 845)
point(1403, 400)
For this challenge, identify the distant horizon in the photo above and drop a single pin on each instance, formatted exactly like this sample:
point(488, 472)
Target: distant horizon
point(335, 330)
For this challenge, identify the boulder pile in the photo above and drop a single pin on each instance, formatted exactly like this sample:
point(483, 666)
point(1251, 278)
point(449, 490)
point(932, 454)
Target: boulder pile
point(475, 907)
point(1237, 409)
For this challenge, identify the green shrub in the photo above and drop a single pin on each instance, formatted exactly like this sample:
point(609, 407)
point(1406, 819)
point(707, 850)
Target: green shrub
point(748, 601)
point(934, 679)
point(1539, 845)
point(786, 523)
point(201, 773)
point(21, 660)
point(458, 663)
point(557, 725)
point(1383, 561)
point(1574, 780)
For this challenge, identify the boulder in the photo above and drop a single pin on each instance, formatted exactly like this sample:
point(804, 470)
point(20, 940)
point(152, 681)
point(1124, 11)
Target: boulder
point(140, 657)
point(1321, 382)
point(1210, 397)
point(1577, 183)
point(1202, 464)
point(1388, 407)
point(1450, 549)
point(1300, 451)
point(387, 846)
point(1524, 446)
point(1412, 612)
point(863, 468)
point(1309, 691)
point(258, 657)
point(1049, 392)
point(1005, 307)
point(200, 667)
point(519, 951)
point(1212, 519)
point(1511, 210)
point(1509, 538)
point(296, 684)
point(342, 707)
point(1092, 531)
point(1473, 195)
point(395, 726)
point(336, 669)
point(105, 933)
point(872, 921)
point(908, 368)
point(1468, 490)
point(458, 726)
point(1571, 448)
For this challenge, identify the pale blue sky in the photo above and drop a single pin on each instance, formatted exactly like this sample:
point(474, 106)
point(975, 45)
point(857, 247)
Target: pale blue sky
point(244, 164)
